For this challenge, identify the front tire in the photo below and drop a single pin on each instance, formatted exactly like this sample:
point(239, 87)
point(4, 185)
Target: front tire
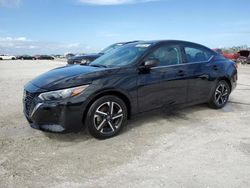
point(106, 117)
point(220, 96)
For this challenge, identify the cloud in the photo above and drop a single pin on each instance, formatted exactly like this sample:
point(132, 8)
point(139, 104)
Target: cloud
point(10, 3)
point(23, 45)
point(4, 39)
point(113, 2)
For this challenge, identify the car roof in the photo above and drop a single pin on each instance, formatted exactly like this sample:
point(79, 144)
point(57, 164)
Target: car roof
point(167, 41)
point(155, 42)
point(128, 42)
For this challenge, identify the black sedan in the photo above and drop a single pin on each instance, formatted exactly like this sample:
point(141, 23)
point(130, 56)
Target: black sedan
point(44, 57)
point(25, 57)
point(88, 58)
point(135, 78)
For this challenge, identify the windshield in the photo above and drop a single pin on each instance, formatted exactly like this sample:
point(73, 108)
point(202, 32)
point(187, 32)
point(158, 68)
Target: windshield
point(110, 48)
point(122, 56)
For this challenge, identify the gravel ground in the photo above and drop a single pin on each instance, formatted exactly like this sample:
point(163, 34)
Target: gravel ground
point(192, 147)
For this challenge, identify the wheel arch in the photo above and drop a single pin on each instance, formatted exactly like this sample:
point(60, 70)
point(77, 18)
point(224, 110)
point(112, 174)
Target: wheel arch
point(116, 93)
point(226, 80)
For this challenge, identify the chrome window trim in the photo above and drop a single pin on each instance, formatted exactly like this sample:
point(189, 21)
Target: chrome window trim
point(184, 63)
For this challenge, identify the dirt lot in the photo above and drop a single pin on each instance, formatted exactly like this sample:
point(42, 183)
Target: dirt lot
point(193, 147)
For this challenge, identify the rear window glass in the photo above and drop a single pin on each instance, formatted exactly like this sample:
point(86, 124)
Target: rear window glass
point(194, 54)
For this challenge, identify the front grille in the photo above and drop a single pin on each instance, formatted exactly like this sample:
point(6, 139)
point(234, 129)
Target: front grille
point(28, 102)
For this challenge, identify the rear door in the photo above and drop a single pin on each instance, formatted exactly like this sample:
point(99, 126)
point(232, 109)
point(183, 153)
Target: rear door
point(198, 61)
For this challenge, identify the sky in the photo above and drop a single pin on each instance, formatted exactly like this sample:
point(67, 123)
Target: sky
point(86, 26)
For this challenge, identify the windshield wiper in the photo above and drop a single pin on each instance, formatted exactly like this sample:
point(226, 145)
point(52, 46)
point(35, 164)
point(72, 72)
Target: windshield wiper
point(99, 65)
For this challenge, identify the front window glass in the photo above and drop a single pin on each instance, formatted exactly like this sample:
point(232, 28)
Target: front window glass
point(167, 55)
point(122, 56)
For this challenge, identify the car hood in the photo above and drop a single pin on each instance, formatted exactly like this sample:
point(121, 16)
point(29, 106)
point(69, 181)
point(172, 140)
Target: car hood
point(88, 56)
point(68, 76)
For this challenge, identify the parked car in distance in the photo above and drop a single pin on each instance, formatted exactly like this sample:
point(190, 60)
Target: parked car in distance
point(69, 55)
point(244, 56)
point(58, 56)
point(44, 57)
point(138, 77)
point(7, 57)
point(88, 58)
point(25, 57)
point(241, 56)
point(231, 56)
point(244, 53)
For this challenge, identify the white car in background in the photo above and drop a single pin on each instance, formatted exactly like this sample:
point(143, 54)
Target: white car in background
point(7, 57)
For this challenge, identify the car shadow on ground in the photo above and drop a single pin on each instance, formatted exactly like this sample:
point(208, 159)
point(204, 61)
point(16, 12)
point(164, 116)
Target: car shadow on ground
point(164, 114)
point(69, 137)
point(136, 122)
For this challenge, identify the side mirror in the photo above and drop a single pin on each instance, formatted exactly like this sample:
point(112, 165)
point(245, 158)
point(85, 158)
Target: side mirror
point(148, 64)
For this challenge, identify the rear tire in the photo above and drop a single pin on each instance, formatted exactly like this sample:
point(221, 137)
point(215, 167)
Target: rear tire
point(220, 95)
point(106, 117)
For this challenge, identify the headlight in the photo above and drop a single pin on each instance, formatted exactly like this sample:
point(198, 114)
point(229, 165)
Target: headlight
point(62, 94)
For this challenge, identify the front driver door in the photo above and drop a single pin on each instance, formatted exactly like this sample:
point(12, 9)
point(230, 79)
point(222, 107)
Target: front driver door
point(165, 84)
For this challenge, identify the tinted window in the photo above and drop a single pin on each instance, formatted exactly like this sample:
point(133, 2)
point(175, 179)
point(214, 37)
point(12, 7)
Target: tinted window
point(167, 55)
point(197, 54)
point(110, 48)
point(122, 56)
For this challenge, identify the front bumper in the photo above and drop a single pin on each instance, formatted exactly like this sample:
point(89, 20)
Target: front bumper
point(55, 116)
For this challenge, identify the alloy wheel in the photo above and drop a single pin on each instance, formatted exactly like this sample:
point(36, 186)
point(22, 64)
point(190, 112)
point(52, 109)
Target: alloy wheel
point(108, 117)
point(221, 94)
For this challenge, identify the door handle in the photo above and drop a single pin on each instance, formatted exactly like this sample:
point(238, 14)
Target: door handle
point(181, 73)
point(204, 77)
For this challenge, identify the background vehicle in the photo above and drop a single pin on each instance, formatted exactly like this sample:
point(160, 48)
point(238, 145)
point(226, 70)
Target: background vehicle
point(88, 58)
point(244, 57)
point(231, 56)
point(58, 56)
point(138, 77)
point(44, 57)
point(69, 55)
point(25, 57)
point(7, 57)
